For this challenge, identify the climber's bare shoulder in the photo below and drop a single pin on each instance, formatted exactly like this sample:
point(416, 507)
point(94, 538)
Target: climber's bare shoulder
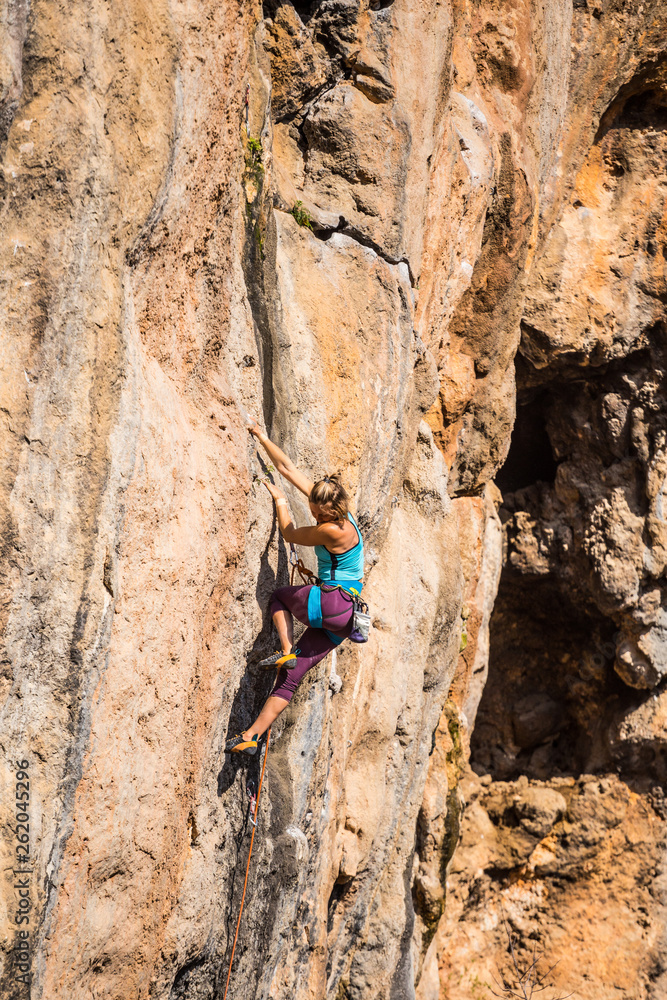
point(320, 534)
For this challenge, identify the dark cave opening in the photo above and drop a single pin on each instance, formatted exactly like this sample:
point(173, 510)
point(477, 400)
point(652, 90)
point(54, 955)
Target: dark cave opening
point(549, 669)
point(530, 458)
point(647, 110)
point(553, 704)
point(304, 8)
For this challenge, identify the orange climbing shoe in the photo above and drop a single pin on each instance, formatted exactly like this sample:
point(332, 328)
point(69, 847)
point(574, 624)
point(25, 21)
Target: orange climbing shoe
point(279, 659)
point(239, 744)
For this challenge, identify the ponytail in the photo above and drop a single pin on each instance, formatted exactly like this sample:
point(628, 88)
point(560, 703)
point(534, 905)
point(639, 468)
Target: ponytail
point(330, 492)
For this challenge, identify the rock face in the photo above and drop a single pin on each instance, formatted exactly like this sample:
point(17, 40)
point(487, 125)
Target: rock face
point(345, 218)
point(574, 702)
point(535, 859)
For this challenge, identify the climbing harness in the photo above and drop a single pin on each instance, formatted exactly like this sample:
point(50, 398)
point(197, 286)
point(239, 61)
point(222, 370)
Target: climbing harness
point(254, 804)
point(361, 621)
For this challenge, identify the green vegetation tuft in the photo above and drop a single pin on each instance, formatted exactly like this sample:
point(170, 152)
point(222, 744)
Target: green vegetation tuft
point(302, 215)
point(478, 988)
point(255, 153)
point(264, 478)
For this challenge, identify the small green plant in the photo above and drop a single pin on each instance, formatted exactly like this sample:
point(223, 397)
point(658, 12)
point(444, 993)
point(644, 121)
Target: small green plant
point(265, 478)
point(465, 614)
point(302, 216)
point(254, 170)
point(478, 988)
point(256, 153)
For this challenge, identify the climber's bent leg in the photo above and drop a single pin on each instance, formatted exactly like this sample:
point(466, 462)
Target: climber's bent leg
point(314, 644)
point(286, 602)
point(266, 717)
point(293, 600)
point(284, 623)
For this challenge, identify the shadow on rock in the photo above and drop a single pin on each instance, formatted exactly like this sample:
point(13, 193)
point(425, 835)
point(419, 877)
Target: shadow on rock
point(257, 683)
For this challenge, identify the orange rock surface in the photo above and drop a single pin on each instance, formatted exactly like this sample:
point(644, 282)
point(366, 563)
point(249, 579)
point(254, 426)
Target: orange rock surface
point(354, 221)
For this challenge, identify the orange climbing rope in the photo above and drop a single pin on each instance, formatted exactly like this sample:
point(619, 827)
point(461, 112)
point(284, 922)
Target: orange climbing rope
point(252, 838)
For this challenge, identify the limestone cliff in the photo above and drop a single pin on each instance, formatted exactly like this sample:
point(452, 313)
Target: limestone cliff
point(377, 226)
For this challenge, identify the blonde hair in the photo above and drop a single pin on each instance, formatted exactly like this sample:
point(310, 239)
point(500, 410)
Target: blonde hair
point(330, 492)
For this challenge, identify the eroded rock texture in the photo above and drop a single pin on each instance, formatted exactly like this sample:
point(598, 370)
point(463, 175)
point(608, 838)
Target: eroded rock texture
point(571, 722)
point(535, 858)
point(346, 218)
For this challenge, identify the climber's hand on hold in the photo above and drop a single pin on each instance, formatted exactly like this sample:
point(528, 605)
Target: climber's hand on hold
point(282, 464)
point(276, 493)
point(253, 426)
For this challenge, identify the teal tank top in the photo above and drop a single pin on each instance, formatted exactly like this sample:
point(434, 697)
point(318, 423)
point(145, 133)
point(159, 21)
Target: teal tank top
point(342, 567)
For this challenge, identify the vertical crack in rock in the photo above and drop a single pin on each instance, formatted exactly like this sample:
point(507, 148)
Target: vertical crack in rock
point(14, 20)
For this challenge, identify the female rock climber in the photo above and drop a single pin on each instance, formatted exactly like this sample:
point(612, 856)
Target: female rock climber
point(327, 610)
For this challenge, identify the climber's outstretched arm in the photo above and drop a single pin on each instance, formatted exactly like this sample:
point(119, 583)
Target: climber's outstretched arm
point(282, 463)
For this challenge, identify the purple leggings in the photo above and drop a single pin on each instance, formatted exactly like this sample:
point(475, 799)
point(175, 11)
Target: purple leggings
point(314, 644)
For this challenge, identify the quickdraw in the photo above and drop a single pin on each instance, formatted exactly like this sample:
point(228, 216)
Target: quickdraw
point(298, 567)
point(251, 792)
